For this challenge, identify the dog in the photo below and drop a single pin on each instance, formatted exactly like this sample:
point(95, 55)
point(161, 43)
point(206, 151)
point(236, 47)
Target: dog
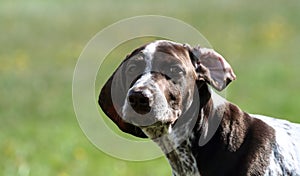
point(164, 91)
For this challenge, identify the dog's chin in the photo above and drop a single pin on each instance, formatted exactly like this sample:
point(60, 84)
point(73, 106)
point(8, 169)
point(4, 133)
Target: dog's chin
point(146, 121)
point(153, 127)
point(151, 119)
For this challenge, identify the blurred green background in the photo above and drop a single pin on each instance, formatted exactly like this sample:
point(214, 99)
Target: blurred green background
point(41, 41)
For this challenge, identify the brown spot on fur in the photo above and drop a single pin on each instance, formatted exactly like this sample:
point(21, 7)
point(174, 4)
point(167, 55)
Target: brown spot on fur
point(241, 146)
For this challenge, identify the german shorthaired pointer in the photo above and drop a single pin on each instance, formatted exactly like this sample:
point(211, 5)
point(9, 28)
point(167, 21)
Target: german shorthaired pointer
point(161, 91)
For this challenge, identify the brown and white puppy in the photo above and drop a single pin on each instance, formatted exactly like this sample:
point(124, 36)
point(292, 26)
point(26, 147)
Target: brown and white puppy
point(161, 91)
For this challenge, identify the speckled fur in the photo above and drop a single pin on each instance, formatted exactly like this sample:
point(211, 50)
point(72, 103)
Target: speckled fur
point(240, 144)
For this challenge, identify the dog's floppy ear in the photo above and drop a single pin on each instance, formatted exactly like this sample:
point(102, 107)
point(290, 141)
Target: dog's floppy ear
point(111, 99)
point(211, 67)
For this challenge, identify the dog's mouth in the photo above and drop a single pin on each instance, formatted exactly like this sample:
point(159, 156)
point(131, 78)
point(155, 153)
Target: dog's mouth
point(155, 117)
point(149, 120)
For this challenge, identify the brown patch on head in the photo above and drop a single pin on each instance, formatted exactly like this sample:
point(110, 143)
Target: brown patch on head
point(178, 51)
point(175, 56)
point(174, 49)
point(171, 92)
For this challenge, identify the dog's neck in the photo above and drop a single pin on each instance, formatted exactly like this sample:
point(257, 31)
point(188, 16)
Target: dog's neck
point(183, 161)
point(176, 142)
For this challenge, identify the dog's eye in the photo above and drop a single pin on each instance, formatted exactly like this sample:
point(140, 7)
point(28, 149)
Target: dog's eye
point(176, 70)
point(132, 69)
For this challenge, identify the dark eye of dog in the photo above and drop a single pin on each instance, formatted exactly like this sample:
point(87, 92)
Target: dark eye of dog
point(133, 69)
point(176, 70)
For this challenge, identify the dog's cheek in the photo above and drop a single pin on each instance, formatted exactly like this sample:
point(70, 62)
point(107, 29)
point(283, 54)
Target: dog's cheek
point(187, 93)
point(173, 95)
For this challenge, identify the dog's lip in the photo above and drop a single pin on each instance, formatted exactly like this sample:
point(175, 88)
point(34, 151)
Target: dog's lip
point(142, 123)
point(156, 124)
point(147, 120)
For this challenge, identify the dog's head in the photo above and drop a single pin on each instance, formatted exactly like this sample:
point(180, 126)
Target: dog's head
point(156, 84)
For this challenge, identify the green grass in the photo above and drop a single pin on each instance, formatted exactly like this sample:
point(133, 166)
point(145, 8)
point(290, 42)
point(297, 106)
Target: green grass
point(40, 44)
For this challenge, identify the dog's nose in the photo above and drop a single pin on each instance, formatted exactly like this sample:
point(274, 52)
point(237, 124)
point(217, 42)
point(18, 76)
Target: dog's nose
point(140, 101)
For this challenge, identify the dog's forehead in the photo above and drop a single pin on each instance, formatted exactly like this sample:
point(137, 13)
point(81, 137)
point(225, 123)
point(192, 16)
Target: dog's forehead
point(166, 51)
point(169, 47)
point(161, 51)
